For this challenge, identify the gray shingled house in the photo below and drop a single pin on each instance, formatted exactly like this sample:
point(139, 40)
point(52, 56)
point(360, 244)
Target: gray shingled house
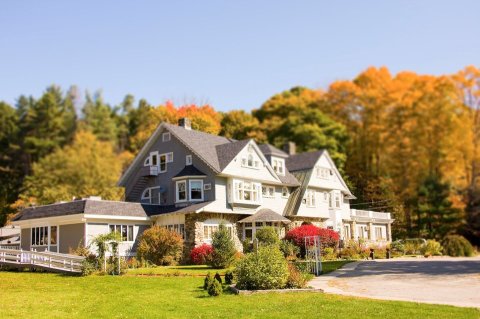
point(190, 182)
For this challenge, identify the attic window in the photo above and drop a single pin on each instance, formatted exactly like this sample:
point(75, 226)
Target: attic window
point(166, 137)
point(323, 172)
point(188, 160)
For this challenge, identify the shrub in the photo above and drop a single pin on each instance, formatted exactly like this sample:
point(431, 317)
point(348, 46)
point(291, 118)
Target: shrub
point(160, 246)
point(218, 277)
point(133, 263)
point(289, 250)
point(215, 288)
point(457, 246)
point(208, 279)
point(223, 248)
point(329, 254)
point(412, 247)
point(247, 246)
point(264, 269)
point(88, 268)
point(432, 248)
point(328, 237)
point(202, 254)
point(267, 236)
point(397, 247)
point(296, 279)
point(354, 250)
point(229, 277)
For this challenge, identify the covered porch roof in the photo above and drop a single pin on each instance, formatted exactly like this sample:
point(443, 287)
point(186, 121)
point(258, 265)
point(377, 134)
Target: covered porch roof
point(265, 215)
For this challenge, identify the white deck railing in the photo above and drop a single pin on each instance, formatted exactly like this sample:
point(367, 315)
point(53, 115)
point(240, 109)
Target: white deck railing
point(369, 214)
point(46, 260)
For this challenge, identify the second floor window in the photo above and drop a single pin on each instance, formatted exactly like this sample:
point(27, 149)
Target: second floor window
point(278, 166)
point(181, 191)
point(247, 191)
point(310, 198)
point(196, 190)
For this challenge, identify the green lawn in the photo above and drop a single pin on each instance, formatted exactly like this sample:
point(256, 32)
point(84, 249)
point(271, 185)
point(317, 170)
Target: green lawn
point(41, 295)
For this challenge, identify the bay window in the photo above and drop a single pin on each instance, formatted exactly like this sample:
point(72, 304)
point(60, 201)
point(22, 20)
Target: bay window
point(196, 190)
point(181, 191)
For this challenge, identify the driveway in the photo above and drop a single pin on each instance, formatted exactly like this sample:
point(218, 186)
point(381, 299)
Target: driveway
point(442, 280)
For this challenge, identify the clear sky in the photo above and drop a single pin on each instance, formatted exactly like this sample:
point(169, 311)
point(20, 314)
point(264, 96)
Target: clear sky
point(231, 54)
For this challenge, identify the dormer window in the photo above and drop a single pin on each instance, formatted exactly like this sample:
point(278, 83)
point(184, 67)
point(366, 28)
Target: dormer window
point(278, 165)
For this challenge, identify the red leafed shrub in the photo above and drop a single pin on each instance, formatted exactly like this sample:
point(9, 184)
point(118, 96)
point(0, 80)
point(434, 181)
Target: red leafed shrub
point(328, 237)
point(200, 255)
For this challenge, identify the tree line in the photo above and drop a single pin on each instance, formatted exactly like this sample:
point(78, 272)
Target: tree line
point(406, 143)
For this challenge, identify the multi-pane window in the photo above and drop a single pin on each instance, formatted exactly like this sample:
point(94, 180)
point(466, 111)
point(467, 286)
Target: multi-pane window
point(310, 198)
point(196, 190)
point(249, 229)
point(247, 191)
point(362, 232)
point(44, 236)
point(209, 230)
point(163, 163)
point(285, 192)
point(181, 191)
point(323, 172)
point(268, 191)
point(125, 231)
point(151, 195)
point(379, 233)
point(278, 165)
point(178, 228)
point(335, 199)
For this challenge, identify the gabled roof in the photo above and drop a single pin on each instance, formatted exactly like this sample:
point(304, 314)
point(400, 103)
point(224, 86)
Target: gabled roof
point(303, 161)
point(103, 207)
point(190, 170)
point(227, 152)
point(265, 215)
point(268, 149)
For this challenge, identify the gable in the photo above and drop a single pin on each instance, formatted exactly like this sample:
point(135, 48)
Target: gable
point(249, 163)
point(325, 175)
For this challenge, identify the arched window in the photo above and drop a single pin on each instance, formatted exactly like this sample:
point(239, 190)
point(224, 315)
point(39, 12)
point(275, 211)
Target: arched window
point(250, 160)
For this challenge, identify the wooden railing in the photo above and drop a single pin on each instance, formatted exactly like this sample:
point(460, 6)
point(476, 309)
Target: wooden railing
point(45, 260)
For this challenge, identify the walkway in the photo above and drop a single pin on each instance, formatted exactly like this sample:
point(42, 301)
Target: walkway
point(440, 280)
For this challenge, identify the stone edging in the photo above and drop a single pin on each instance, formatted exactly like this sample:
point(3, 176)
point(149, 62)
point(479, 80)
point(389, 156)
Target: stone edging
point(237, 291)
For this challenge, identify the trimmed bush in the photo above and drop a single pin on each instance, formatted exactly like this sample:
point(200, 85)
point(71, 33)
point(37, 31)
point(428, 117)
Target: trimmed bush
point(207, 281)
point(267, 236)
point(201, 255)
point(264, 269)
point(215, 288)
point(328, 237)
point(229, 277)
point(160, 246)
point(432, 248)
point(289, 249)
point(329, 254)
point(223, 248)
point(218, 277)
point(354, 250)
point(457, 246)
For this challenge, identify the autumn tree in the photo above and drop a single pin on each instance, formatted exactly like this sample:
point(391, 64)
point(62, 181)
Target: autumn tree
point(240, 125)
point(87, 167)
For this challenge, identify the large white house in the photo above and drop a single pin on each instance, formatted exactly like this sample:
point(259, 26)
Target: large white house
point(191, 182)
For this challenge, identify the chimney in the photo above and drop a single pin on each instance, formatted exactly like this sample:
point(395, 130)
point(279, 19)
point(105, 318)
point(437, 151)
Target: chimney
point(185, 123)
point(290, 148)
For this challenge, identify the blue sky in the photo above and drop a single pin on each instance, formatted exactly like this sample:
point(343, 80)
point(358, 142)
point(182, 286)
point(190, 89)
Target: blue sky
point(231, 54)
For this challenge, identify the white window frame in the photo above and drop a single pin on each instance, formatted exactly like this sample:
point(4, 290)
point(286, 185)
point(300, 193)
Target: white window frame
point(323, 172)
point(177, 200)
point(188, 160)
point(239, 190)
point(310, 198)
point(278, 165)
point(169, 156)
point(35, 240)
point(150, 197)
point(211, 226)
point(347, 234)
point(159, 163)
point(166, 137)
point(190, 190)
point(362, 232)
point(269, 191)
point(286, 191)
point(259, 225)
point(249, 161)
point(380, 229)
point(178, 228)
point(127, 227)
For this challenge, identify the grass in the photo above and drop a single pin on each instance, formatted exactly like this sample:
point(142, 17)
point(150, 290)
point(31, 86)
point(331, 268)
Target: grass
point(329, 266)
point(42, 295)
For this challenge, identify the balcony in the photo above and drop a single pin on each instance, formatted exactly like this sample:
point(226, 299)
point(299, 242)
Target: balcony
point(368, 214)
point(149, 171)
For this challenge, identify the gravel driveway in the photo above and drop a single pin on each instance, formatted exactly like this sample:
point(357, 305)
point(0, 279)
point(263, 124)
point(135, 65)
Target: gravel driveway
point(441, 280)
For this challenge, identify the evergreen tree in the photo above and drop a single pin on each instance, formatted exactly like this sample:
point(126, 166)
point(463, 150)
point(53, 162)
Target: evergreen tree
point(435, 216)
point(223, 248)
point(99, 118)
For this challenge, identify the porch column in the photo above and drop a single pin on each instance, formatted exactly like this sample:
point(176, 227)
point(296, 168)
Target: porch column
point(354, 229)
point(370, 231)
point(389, 232)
